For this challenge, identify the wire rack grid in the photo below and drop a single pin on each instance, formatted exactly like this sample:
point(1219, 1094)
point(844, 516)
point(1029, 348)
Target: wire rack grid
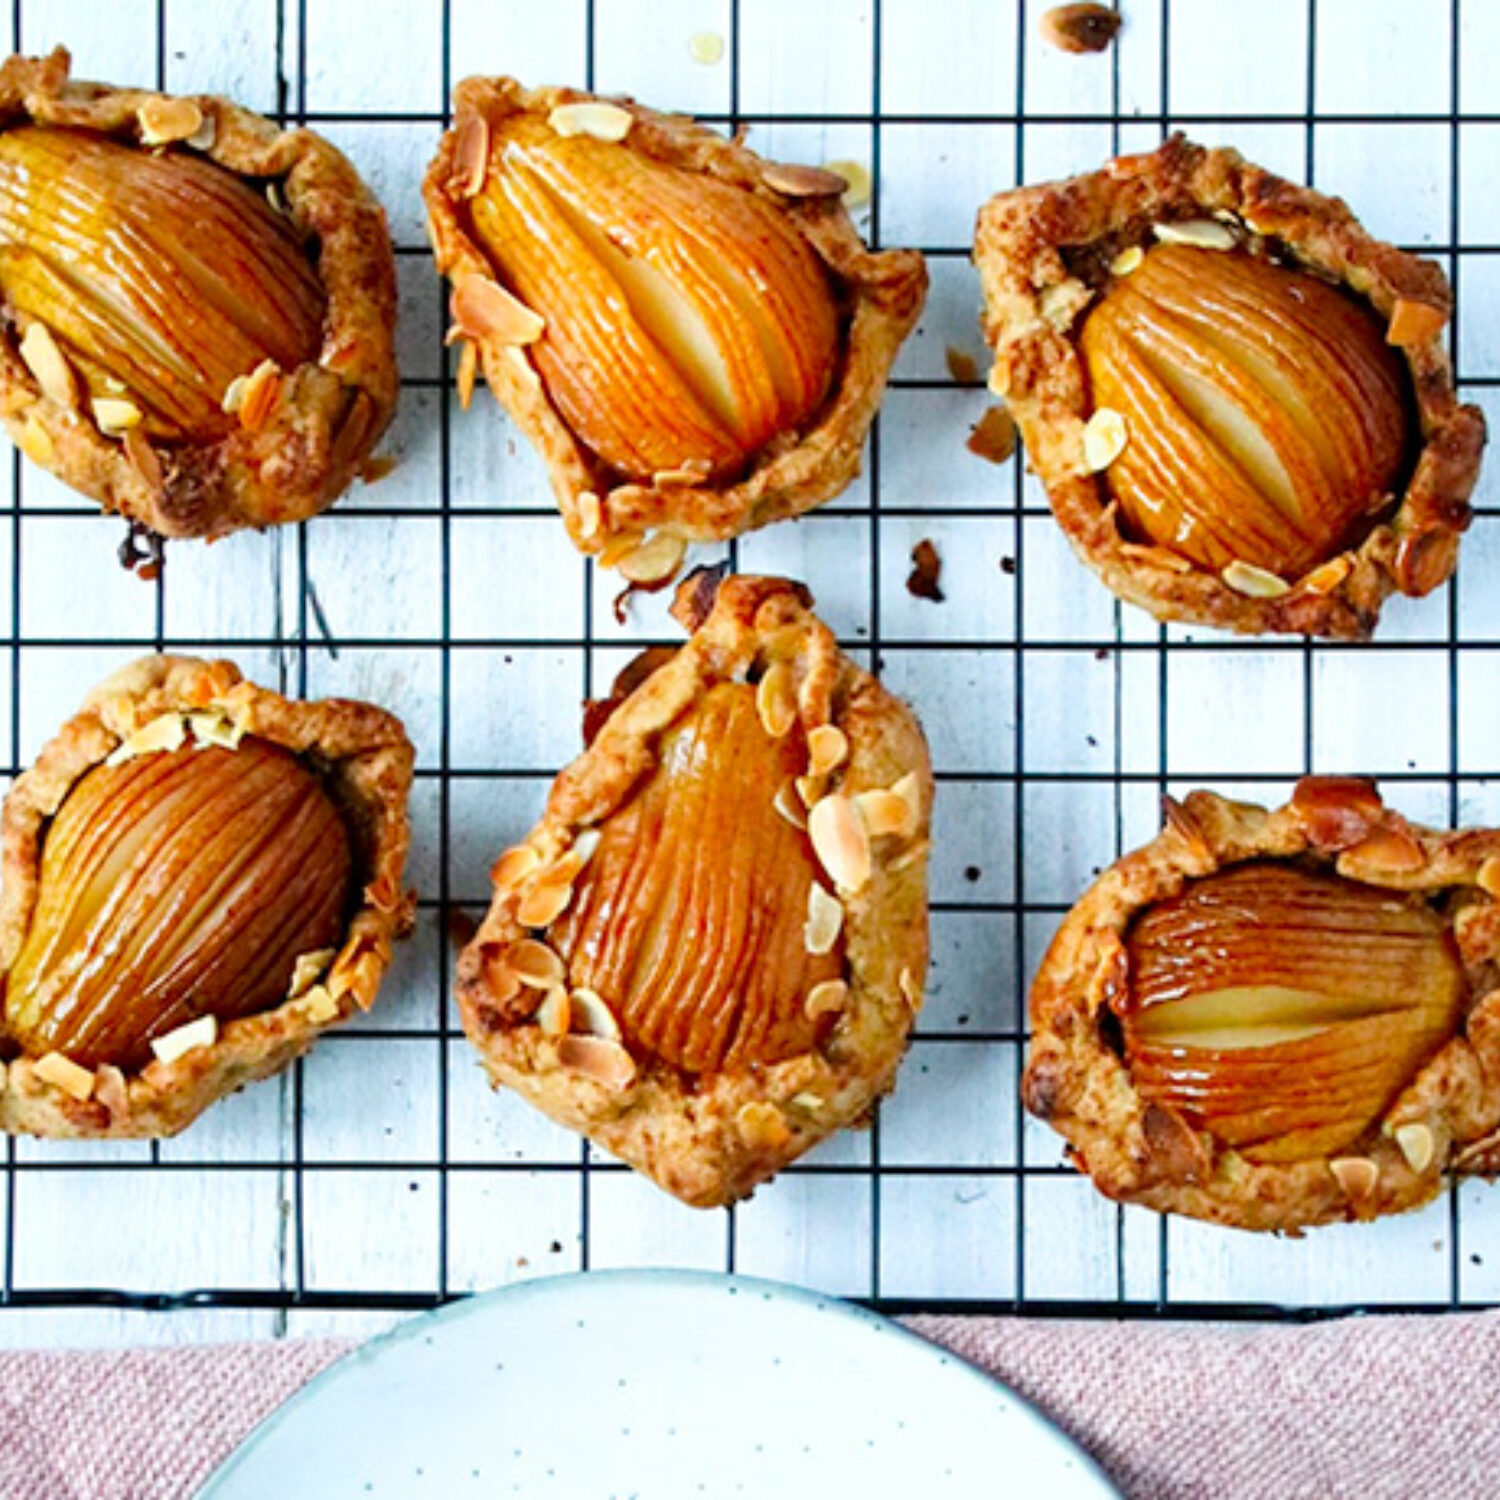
point(380, 1175)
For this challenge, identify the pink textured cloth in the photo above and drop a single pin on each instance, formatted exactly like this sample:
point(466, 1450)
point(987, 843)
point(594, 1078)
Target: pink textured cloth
point(1365, 1408)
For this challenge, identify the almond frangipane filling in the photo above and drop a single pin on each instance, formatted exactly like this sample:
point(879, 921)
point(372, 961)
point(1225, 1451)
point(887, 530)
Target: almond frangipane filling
point(1284, 1010)
point(690, 920)
point(176, 884)
point(161, 279)
point(686, 323)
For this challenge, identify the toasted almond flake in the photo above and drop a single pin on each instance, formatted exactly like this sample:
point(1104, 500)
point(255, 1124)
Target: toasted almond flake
point(111, 1092)
point(63, 1073)
point(544, 904)
point(565, 868)
point(796, 181)
point(142, 457)
point(827, 749)
point(911, 991)
point(1104, 437)
point(1488, 876)
point(514, 866)
point(536, 965)
point(468, 373)
point(321, 1004)
point(825, 920)
point(590, 515)
point(994, 436)
point(1254, 583)
point(683, 478)
point(585, 844)
point(1128, 260)
point(885, 812)
point(275, 197)
point(809, 789)
point(215, 729)
point(165, 732)
point(555, 1014)
point(654, 559)
point(114, 415)
point(909, 789)
point(706, 48)
point(911, 855)
point(841, 841)
point(776, 699)
point(1357, 1175)
point(595, 117)
point(484, 311)
point(261, 395)
point(166, 120)
point(309, 968)
point(812, 1103)
point(591, 1016)
point(615, 547)
point(471, 155)
point(1391, 851)
point(762, 1124)
point(598, 1058)
point(234, 395)
point(1202, 234)
point(788, 802)
point(861, 184)
point(203, 138)
point(36, 441)
point(203, 1032)
point(826, 998)
point(1414, 322)
point(47, 363)
point(1417, 1146)
point(1327, 577)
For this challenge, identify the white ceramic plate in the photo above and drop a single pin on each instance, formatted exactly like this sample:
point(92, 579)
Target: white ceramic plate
point(655, 1385)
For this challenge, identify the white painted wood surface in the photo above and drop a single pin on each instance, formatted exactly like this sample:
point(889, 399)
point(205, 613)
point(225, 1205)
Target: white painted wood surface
point(332, 1180)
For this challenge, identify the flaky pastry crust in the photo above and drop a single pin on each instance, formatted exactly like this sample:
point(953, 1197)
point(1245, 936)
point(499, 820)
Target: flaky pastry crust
point(318, 438)
point(883, 295)
point(1446, 1119)
point(711, 1138)
point(1043, 252)
point(365, 761)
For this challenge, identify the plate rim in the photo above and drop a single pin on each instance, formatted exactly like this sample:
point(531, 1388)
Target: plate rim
point(468, 1305)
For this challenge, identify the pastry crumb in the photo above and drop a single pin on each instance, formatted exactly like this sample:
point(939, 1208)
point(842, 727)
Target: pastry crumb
point(1080, 28)
point(926, 569)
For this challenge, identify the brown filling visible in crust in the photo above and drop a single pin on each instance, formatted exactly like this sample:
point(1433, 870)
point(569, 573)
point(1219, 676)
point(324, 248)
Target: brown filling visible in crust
point(1268, 422)
point(1283, 1009)
point(690, 919)
point(176, 884)
point(161, 279)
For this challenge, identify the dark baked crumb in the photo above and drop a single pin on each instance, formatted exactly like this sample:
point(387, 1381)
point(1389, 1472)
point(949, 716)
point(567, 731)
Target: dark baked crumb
point(926, 568)
point(1080, 28)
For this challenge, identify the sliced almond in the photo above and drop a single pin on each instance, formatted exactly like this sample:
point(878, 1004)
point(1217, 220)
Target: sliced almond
point(911, 991)
point(484, 311)
point(142, 457)
point(1202, 234)
point(203, 1032)
point(788, 802)
point(825, 920)
point(1417, 1145)
point(1104, 437)
point(826, 998)
point(234, 395)
point(827, 749)
point(1128, 260)
point(165, 732)
point(706, 48)
point(321, 1004)
point(261, 396)
point(111, 1091)
point(591, 1015)
point(555, 1014)
point(536, 965)
point(63, 1073)
point(605, 122)
point(47, 363)
point(308, 969)
point(1391, 851)
point(1254, 583)
point(468, 373)
point(776, 699)
point(841, 841)
point(544, 903)
point(598, 1058)
point(471, 155)
point(812, 1103)
point(36, 441)
point(1414, 322)
point(885, 812)
point(861, 184)
point(165, 120)
point(796, 181)
point(203, 138)
point(762, 1125)
point(590, 515)
point(808, 789)
point(1327, 577)
point(654, 559)
point(1357, 1176)
point(514, 866)
point(682, 479)
point(1488, 876)
point(215, 729)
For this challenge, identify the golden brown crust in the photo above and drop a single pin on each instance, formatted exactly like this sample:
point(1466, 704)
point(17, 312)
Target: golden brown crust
point(1448, 1115)
point(365, 760)
point(1034, 303)
point(712, 1139)
point(884, 294)
point(332, 411)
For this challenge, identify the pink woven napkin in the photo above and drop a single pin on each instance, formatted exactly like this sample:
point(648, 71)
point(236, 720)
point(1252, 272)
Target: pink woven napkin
point(1364, 1408)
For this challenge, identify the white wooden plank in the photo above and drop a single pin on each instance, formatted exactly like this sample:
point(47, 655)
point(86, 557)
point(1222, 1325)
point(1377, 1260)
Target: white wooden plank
point(659, 51)
point(370, 1231)
point(811, 1230)
point(505, 1227)
point(373, 55)
point(948, 1236)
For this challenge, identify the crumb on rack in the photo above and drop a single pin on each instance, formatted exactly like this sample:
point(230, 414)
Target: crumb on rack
point(926, 569)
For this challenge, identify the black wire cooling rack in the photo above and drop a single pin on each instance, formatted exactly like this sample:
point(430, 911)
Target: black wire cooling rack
point(378, 1175)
